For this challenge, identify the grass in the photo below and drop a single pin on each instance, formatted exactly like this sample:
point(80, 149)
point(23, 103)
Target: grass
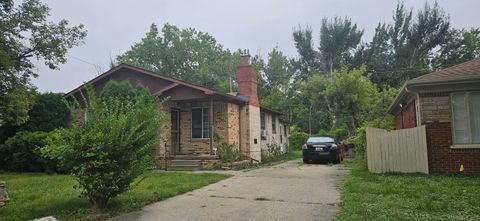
point(292, 155)
point(39, 195)
point(368, 196)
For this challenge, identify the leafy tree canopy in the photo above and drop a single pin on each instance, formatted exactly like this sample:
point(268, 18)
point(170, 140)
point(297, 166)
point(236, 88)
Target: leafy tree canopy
point(27, 35)
point(185, 54)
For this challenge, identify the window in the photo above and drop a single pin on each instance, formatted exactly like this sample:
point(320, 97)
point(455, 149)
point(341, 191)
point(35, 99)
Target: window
point(200, 127)
point(262, 121)
point(274, 125)
point(466, 117)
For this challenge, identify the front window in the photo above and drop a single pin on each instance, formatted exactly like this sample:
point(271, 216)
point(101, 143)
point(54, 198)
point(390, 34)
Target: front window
point(274, 125)
point(200, 127)
point(466, 117)
point(262, 121)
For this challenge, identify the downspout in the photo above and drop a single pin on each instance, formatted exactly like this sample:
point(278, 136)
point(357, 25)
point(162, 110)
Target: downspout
point(418, 115)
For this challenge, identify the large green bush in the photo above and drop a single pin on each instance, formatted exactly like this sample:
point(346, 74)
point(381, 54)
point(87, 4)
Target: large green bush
point(297, 139)
point(114, 146)
point(21, 153)
point(48, 113)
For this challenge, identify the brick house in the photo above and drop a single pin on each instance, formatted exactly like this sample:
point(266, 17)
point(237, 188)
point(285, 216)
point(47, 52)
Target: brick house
point(447, 102)
point(197, 113)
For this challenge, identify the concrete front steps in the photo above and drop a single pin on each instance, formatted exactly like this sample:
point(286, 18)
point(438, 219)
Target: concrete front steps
point(188, 162)
point(184, 165)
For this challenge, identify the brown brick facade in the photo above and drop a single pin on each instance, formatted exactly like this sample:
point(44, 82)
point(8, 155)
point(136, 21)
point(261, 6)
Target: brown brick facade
point(442, 158)
point(407, 117)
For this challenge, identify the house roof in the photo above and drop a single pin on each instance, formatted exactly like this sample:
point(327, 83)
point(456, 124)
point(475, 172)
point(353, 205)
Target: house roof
point(464, 76)
point(175, 82)
point(466, 70)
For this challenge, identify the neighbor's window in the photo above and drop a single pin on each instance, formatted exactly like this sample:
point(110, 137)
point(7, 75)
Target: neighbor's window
point(274, 124)
point(262, 121)
point(466, 117)
point(200, 127)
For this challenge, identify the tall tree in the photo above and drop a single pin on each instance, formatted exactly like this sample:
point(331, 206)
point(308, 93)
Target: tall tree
point(337, 38)
point(461, 46)
point(406, 48)
point(307, 63)
point(27, 35)
point(186, 54)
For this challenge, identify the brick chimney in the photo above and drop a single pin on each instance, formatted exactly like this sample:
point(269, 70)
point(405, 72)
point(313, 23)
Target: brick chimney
point(247, 80)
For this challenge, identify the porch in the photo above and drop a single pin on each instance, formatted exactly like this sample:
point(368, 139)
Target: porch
point(189, 138)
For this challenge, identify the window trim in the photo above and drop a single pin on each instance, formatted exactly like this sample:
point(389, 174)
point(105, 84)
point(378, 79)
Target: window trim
point(208, 115)
point(469, 127)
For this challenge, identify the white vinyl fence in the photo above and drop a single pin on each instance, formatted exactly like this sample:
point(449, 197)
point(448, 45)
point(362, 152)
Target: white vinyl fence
point(402, 151)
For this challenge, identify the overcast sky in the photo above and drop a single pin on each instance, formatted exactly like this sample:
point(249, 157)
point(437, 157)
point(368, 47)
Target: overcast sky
point(113, 26)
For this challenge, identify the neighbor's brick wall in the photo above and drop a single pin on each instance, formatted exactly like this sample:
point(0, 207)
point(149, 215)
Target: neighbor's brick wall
point(407, 117)
point(442, 158)
point(435, 115)
point(435, 107)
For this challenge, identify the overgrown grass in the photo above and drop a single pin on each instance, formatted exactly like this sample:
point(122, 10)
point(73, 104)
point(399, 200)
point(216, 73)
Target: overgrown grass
point(292, 155)
point(368, 196)
point(38, 195)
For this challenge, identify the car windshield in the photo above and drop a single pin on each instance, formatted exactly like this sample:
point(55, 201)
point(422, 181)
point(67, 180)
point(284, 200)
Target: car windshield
point(320, 140)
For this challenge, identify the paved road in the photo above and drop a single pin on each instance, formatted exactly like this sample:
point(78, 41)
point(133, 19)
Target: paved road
point(287, 191)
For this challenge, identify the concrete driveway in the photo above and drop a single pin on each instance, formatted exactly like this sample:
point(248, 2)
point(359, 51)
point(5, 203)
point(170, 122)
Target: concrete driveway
point(287, 191)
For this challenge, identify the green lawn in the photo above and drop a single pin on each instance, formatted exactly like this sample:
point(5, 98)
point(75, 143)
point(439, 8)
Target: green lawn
point(368, 196)
point(39, 195)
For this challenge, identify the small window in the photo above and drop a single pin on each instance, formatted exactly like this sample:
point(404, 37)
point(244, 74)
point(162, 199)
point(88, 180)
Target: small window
point(262, 121)
point(466, 117)
point(274, 124)
point(200, 127)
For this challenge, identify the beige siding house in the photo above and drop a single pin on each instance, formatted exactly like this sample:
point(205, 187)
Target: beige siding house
point(197, 113)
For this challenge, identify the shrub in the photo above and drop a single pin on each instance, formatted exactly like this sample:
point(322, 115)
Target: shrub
point(21, 153)
point(360, 138)
point(112, 147)
point(297, 139)
point(48, 113)
point(228, 152)
point(271, 152)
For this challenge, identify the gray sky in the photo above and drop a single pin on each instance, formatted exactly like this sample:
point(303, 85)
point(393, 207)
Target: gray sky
point(113, 26)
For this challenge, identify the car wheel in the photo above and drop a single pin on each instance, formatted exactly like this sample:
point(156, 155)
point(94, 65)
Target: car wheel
point(305, 160)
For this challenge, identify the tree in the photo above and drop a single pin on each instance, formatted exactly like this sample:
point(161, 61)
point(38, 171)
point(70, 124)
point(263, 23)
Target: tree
point(349, 94)
point(112, 147)
point(461, 46)
point(26, 34)
point(48, 113)
point(278, 71)
point(186, 54)
point(307, 63)
point(405, 49)
point(337, 38)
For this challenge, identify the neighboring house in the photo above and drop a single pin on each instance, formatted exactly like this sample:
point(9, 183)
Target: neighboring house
point(197, 113)
point(447, 102)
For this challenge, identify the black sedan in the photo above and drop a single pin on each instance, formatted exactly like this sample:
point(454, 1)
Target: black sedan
point(321, 149)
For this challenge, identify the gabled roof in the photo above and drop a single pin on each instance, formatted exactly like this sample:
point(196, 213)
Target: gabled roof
point(464, 76)
point(174, 81)
point(466, 70)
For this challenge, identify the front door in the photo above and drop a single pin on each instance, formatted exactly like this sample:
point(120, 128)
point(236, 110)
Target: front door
point(175, 131)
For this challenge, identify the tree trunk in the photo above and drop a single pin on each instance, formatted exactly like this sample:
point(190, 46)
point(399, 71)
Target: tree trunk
point(99, 203)
point(351, 126)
